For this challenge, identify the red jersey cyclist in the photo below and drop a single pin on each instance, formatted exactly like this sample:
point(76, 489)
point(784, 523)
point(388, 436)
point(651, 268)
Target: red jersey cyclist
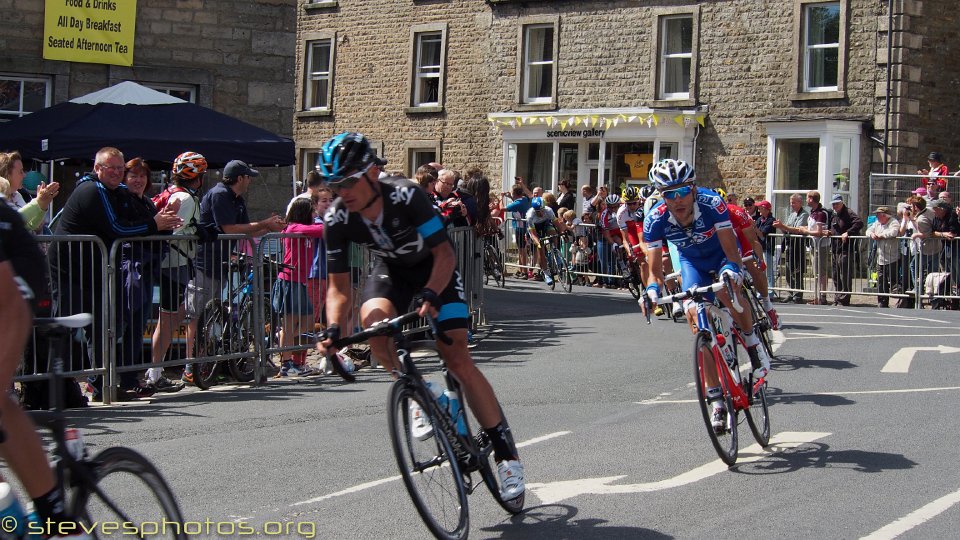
point(698, 223)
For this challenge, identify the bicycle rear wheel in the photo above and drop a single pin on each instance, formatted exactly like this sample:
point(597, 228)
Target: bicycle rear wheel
point(758, 414)
point(128, 490)
point(210, 333)
point(724, 442)
point(429, 468)
point(243, 369)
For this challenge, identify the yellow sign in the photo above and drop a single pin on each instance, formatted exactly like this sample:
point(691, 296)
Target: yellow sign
point(639, 164)
point(93, 31)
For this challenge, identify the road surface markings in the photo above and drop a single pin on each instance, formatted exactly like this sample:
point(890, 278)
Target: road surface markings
point(915, 518)
point(900, 361)
point(796, 336)
point(657, 401)
point(554, 492)
point(866, 315)
point(375, 483)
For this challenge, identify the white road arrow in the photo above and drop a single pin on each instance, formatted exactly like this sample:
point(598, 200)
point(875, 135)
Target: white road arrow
point(900, 361)
point(553, 492)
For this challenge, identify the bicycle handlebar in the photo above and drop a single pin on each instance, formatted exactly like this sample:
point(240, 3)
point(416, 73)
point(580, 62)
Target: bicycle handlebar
point(71, 321)
point(390, 327)
point(697, 294)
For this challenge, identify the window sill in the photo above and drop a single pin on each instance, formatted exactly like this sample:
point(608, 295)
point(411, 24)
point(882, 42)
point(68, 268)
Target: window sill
point(667, 103)
point(321, 5)
point(530, 107)
point(431, 109)
point(313, 114)
point(812, 96)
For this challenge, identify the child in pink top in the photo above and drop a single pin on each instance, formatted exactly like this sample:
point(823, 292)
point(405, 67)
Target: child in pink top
point(289, 296)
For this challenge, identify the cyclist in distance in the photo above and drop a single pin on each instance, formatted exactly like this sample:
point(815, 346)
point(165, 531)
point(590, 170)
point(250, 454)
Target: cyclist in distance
point(23, 279)
point(541, 222)
point(413, 259)
point(630, 221)
point(698, 223)
point(750, 245)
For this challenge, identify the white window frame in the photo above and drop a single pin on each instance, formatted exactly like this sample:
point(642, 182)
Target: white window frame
point(22, 79)
point(808, 48)
point(527, 64)
point(665, 57)
point(169, 89)
point(421, 71)
point(827, 132)
point(310, 76)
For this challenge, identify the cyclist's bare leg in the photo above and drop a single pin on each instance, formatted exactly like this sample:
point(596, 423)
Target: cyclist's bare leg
point(709, 368)
point(382, 348)
point(22, 449)
point(743, 319)
point(477, 390)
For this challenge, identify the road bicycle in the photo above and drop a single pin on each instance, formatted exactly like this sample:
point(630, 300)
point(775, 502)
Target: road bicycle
point(493, 260)
point(437, 468)
point(630, 272)
point(228, 327)
point(719, 342)
point(116, 486)
point(557, 264)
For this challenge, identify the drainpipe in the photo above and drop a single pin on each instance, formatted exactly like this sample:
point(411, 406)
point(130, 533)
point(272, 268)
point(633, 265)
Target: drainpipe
point(886, 106)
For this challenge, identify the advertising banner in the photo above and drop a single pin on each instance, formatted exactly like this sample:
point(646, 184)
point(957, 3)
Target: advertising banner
point(93, 31)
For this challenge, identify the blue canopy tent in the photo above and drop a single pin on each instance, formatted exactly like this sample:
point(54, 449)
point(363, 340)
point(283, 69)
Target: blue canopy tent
point(141, 122)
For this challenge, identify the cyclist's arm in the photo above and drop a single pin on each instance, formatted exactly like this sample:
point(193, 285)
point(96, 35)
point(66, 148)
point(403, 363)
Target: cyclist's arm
point(655, 263)
point(444, 262)
point(754, 239)
point(728, 241)
point(532, 233)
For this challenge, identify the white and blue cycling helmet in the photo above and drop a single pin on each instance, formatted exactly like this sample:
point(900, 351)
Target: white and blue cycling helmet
point(670, 173)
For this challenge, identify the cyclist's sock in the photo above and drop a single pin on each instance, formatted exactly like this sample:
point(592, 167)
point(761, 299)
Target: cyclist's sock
point(51, 506)
point(500, 439)
point(750, 339)
point(767, 304)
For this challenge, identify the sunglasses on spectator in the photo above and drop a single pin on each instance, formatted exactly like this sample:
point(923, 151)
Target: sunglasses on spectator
point(348, 182)
point(677, 193)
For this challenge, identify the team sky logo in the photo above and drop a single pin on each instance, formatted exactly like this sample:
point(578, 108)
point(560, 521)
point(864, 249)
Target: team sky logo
point(403, 195)
point(336, 215)
point(406, 249)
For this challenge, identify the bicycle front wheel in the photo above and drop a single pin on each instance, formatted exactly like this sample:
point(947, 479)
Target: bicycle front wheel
point(427, 463)
point(129, 490)
point(210, 333)
point(758, 414)
point(243, 369)
point(724, 440)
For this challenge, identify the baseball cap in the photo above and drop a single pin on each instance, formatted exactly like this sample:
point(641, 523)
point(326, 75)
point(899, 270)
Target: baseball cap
point(238, 168)
point(837, 198)
point(943, 205)
point(920, 191)
point(883, 210)
point(747, 201)
point(764, 204)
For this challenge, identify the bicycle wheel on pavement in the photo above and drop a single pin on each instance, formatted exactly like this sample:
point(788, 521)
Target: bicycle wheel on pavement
point(430, 471)
point(725, 441)
point(128, 490)
point(244, 341)
point(758, 415)
point(210, 333)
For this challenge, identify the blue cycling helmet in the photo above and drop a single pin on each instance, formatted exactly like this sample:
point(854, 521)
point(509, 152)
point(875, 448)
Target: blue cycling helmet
point(536, 203)
point(343, 154)
point(669, 173)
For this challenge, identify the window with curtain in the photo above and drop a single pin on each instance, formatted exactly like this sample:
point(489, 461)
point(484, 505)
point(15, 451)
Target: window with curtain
point(821, 47)
point(317, 93)
point(428, 67)
point(419, 156)
point(676, 56)
point(538, 63)
point(186, 93)
point(23, 95)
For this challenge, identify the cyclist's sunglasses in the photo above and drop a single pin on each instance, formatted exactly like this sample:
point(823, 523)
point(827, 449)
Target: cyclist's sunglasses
point(348, 182)
point(677, 193)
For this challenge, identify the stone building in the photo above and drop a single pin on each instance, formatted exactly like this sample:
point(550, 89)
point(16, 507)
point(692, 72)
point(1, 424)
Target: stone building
point(765, 98)
point(234, 56)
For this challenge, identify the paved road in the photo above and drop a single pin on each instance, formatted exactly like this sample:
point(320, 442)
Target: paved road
point(613, 446)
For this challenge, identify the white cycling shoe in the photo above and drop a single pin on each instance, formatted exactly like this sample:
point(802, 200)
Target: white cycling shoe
point(511, 479)
point(420, 427)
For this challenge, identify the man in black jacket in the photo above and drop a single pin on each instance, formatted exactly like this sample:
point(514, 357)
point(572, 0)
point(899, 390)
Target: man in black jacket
point(843, 223)
point(99, 206)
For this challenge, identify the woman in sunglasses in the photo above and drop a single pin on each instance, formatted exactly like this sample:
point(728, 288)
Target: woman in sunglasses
point(698, 223)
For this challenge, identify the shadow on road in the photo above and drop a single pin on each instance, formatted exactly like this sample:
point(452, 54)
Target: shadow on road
point(820, 456)
point(777, 395)
point(560, 521)
point(786, 362)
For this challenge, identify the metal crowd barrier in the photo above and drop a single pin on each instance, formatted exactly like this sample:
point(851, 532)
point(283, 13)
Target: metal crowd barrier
point(126, 286)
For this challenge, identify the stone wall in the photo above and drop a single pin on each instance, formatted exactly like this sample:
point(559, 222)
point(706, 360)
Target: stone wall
point(238, 54)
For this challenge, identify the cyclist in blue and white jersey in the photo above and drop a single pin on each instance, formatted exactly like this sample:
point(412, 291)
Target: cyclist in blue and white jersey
point(541, 222)
point(413, 258)
point(697, 222)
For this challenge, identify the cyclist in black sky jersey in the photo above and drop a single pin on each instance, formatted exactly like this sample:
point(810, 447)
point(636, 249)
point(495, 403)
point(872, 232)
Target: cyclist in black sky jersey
point(414, 258)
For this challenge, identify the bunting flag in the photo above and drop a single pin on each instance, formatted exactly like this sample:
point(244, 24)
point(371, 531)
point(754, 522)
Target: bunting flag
point(679, 120)
point(605, 121)
point(550, 121)
point(701, 119)
point(563, 124)
point(593, 121)
point(656, 119)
